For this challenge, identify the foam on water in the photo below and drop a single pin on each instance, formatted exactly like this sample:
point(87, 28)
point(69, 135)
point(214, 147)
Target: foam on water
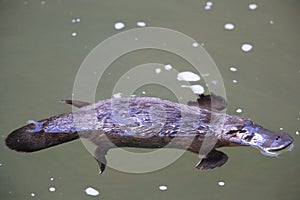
point(187, 76)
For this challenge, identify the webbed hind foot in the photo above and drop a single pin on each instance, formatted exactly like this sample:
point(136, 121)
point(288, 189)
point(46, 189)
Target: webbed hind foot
point(209, 102)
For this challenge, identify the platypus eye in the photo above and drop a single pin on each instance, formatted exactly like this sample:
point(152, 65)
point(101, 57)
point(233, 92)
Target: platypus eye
point(248, 137)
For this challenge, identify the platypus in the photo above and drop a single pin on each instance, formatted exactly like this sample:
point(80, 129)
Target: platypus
point(147, 122)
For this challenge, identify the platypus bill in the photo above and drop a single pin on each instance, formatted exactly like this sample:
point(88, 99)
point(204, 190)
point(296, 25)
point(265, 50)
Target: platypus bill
point(146, 122)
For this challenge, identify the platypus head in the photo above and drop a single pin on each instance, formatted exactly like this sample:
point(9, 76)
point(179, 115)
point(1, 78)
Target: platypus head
point(268, 142)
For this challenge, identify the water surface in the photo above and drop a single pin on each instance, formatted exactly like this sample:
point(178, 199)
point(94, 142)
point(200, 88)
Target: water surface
point(43, 44)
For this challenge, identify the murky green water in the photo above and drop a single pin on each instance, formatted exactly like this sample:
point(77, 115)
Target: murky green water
point(40, 59)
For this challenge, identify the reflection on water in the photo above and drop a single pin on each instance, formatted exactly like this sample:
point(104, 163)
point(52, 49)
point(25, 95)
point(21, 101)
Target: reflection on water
point(255, 46)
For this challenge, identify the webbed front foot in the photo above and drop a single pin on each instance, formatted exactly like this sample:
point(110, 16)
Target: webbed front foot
point(100, 154)
point(101, 165)
point(213, 159)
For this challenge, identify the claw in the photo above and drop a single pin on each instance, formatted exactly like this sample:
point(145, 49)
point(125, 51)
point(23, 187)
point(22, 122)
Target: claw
point(75, 103)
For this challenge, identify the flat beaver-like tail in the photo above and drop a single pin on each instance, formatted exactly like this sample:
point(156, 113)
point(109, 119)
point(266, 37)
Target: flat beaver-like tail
point(25, 141)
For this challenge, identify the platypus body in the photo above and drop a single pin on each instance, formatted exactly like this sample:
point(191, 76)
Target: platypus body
point(146, 122)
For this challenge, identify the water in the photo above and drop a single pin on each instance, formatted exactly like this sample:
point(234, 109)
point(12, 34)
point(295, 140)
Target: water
point(42, 49)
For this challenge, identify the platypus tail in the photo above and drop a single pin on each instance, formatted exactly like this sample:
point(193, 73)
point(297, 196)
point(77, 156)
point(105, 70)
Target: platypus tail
point(25, 141)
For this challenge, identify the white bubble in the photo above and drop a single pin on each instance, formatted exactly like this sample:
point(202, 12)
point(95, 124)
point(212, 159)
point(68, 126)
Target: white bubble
point(91, 191)
point(197, 89)
point(168, 67)
point(43, 2)
point(215, 82)
point(195, 44)
point(187, 76)
point(51, 179)
point(52, 189)
point(73, 20)
point(163, 187)
point(239, 110)
point(32, 194)
point(229, 26)
point(247, 47)
point(157, 70)
point(209, 3)
point(271, 22)
point(281, 128)
point(78, 20)
point(233, 69)
point(143, 92)
point(141, 24)
point(117, 95)
point(252, 6)
point(74, 34)
point(119, 25)
point(234, 81)
point(207, 7)
point(297, 132)
point(221, 183)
